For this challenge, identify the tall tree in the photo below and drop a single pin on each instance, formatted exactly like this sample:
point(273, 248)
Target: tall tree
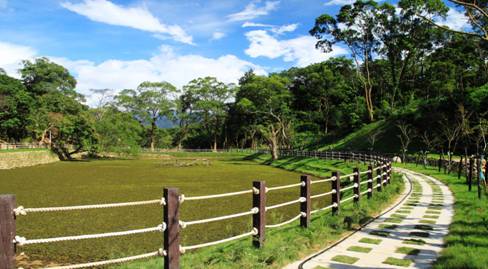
point(268, 100)
point(207, 98)
point(355, 26)
point(149, 102)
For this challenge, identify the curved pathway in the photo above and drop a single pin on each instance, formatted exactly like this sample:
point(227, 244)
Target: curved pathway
point(409, 235)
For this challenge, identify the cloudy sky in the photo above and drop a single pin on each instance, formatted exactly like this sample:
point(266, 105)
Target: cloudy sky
point(117, 44)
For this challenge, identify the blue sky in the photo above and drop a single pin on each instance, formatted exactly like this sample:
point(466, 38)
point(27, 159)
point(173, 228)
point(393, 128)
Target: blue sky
point(117, 44)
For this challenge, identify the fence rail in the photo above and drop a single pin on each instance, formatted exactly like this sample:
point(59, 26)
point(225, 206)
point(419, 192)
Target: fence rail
point(172, 226)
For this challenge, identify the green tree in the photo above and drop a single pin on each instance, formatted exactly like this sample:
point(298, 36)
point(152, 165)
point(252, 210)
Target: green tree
point(117, 131)
point(15, 106)
point(59, 118)
point(355, 26)
point(42, 76)
point(206, 98)
point(148, 103)
point(267, 100)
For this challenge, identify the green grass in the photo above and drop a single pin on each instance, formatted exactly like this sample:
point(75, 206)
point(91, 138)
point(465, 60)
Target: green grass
point(108, 181)
point(413, 241)
point(388, 226)
point(467, 241)
point(380, 233)
point(286, 244)
point(408, 250)
point(393, 220)
point(398, 262)
point(426, 221)
point(345, 259)
point(370, 241)
point(360, 249)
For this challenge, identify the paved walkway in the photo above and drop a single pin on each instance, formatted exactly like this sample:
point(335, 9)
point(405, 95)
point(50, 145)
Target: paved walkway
point(410, 235)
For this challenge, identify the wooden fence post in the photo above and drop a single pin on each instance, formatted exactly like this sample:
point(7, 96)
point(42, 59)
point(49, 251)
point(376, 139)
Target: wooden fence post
point(370, 181)
point(460, 167)
point(172, 233)
point(7, 231)
point(385, 174)
point(306, 206)
point(259, 219)
point(470, 173)
point(478, 169)
point(379, 183)
point(357, 182)
point(336, 197)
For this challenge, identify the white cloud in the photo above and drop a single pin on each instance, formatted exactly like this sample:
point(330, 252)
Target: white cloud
point(339, 2)
point(252, 10)
point(12, 54)
point(137, 17)
point(300, 50)
point(277, 29)
point(455, 20)
point(285, 28)
point(164, 66)
point(218, 35)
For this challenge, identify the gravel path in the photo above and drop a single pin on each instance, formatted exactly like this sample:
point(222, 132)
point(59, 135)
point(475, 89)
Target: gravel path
point(409, 235)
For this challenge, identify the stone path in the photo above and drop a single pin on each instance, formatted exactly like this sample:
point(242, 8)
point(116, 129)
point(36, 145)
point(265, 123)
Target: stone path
point(409, 235)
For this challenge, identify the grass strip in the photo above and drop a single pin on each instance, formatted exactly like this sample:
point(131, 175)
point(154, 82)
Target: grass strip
point(408, 250)
point(372, 241)
point(360, 249)
point(345, 259)
point(398, 262)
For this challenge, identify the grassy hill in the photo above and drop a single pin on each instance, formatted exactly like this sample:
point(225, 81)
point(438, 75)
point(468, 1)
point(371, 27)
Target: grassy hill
point(359, 140)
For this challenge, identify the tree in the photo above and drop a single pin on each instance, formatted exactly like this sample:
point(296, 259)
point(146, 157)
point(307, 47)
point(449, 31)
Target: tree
point(15, 106)
point(58, 119)
point(267, 100)
point(117, 131)
point(148, 103)
point(355, 26)
point(406, 135)
point(43, 76)
point(206, 98)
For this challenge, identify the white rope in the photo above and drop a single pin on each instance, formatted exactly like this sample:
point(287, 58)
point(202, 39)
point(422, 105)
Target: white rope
point(378, 185)
point(159, 252)
point(350, 198)
point(364, 182)
point(299, 200)
point(323, 180)
point(301, 184)
point(364, 172)
point(23, 211)
point(364, 192)
point(302, 214)
point(324, 208)
point(184, 224)
point(350, 187)
point(22, 241)
point(193, 198)
point(323, 194)
point(184, 249)
point(349, 175)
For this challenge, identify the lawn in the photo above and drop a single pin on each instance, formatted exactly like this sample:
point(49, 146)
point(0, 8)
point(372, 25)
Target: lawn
point(289, 243)
point(108, 181)
point(467, 241)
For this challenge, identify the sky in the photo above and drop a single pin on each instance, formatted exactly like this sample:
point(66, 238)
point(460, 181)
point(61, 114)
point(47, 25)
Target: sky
point(117, 44)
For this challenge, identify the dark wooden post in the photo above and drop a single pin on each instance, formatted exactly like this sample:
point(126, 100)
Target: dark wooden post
point(357, 181)
point(385, 176)
point(378, 179)
point(370, 181)
point(470, 173)
point(478, 170)
point(7, 231)
point(388, 173)
point(460, 167)
point(306, 206)
point(172, 233)
point(336, 197)
point(259, 219)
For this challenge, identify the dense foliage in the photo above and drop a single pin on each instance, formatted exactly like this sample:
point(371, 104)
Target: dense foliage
point(427, 81)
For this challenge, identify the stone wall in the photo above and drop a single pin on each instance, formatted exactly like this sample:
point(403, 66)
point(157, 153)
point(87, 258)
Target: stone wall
point(9, 160)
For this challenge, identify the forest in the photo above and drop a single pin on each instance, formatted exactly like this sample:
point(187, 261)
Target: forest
point(426, 80)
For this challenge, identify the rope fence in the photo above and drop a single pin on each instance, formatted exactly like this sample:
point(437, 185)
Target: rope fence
point(172, 226)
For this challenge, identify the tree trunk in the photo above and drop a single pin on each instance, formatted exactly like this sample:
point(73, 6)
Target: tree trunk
point(274, 147)
point(214, 147)
point(153, 134)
